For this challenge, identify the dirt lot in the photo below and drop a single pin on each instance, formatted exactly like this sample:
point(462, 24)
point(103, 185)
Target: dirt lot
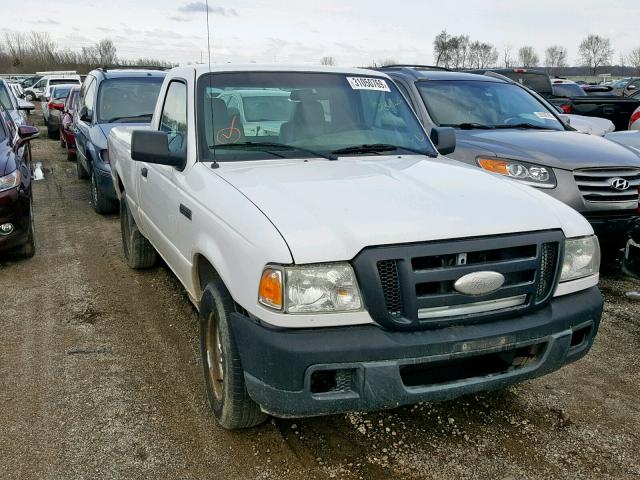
point(100, 378)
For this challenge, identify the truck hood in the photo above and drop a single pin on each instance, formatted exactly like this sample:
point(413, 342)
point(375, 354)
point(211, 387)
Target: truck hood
point(556, 149)
point(330, 210)
point(105, 128)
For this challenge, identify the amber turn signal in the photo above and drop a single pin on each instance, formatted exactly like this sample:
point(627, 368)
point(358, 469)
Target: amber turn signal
point(270, 291)
point(492, 165)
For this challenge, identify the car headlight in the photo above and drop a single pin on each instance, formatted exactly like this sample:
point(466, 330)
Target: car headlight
point(581, 258)
point(322, 288)
point(529, 173)
point(10, 181)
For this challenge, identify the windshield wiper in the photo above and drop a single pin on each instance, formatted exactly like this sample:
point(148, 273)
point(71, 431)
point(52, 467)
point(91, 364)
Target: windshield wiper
point(523, 125)
point(129, 117)
point(266, 145)
point(468, 126)
point(379, 148)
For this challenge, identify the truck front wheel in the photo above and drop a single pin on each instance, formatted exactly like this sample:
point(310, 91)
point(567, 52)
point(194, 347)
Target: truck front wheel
point(138, 251)
point(223, 373)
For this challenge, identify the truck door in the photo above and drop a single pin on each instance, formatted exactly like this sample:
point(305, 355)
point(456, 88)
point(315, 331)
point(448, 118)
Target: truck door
point(161, 210)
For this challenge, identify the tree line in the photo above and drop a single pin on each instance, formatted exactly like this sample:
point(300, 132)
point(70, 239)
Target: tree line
point(594, 53)
point(37, 51)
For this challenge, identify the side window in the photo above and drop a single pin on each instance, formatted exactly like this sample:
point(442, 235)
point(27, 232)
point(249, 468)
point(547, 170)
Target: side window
point(40, 84)
point(173, 119)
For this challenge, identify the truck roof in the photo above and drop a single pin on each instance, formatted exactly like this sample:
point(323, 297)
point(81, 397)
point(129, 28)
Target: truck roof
point(252, 67)
point(421, 74)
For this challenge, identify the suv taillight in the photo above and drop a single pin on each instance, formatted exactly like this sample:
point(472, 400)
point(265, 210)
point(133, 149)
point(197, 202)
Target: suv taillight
point(55, 106)
point(566, 108)
point(634, 118)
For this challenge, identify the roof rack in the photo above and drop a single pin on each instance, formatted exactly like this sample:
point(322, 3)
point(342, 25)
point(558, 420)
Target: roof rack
point(106, 68)
point(416, 66)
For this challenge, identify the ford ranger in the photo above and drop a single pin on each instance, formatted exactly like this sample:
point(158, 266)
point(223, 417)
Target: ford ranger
point(341, 263)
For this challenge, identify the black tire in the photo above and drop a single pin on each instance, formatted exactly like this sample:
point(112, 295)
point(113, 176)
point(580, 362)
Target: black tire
point(223, 373)
point(52, 134)
point(138, 251)
point(70, 156)
point(28, 250)
point(82, 173)
point(101, 203)
point(29, 97)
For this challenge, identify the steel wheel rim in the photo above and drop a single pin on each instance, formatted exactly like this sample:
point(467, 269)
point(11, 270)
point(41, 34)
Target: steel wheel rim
point(215, 357)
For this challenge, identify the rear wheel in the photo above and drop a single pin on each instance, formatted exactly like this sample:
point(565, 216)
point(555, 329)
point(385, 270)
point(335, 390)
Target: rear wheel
point(138, 251)
point(52, 134)
point(101, 203)
point(63, 144)
point(30, 97)
point(223, 372)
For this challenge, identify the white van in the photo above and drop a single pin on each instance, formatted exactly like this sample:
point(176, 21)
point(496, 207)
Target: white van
point(35, 91)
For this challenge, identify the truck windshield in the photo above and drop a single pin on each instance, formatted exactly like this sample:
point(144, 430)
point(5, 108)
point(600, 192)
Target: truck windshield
point(304, 114)
point(128, 99)
point(481, 104)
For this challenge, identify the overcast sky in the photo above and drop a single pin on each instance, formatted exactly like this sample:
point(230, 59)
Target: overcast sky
point(355, 32)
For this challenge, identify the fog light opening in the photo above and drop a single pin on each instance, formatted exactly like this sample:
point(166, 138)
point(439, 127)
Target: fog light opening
point(579, 337)
point(332, 381)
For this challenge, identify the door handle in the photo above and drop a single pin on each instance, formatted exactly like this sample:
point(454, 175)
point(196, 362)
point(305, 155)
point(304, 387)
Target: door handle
point(144, 172)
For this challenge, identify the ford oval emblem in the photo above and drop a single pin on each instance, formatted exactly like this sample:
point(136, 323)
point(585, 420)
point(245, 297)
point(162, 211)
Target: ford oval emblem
point(479, 283)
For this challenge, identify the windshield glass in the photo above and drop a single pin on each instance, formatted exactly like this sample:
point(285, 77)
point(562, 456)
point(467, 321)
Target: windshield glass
point(568, 90)
point(490, 104)
point(302, 113)
point(128, 99)
point(5, 98)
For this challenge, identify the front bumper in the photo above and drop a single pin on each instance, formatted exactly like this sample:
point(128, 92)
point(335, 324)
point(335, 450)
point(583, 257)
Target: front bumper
point(15, 209)
point(289, 372)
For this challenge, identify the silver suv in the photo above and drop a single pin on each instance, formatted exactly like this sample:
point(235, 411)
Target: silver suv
point(505, 128)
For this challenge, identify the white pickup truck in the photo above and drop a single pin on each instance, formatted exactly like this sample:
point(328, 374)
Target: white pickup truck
point(343, 263)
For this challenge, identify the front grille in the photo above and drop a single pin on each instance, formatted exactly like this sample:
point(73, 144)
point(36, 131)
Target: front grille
point(412, 286)
point(595, 184)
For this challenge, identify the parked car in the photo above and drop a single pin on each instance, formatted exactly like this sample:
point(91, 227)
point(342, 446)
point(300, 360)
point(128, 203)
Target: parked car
point(634, 121)
point(589, 125)
point(16, 211)
point(614, 108)
point(110, 96)
point(67, 135)
point(53, 106)
point(16, 107)
point(343, 264)
point(36, 91)
point(626, 86)
point(17, 89)
point(505, 128)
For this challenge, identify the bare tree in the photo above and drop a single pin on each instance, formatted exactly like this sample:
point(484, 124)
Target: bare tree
point(507, 60)
point(595, 51)
point(482, 55)
point(460, 51)
point(442, 49)
point(329, 61)
point(106, 52)
point(555, 57)
point(634, 59)
point(528, 57)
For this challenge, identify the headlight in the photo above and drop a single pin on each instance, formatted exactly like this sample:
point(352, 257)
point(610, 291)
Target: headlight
point(581, 258)
point(528, 173)
point(322, 288)
point(10, 181)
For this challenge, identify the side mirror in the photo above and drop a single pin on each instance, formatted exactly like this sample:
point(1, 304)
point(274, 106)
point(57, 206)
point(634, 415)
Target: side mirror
point(444, 138)
point(84, 114)
point(632, 87)
point(152, 146)
point(27, 106)
point(26, 133)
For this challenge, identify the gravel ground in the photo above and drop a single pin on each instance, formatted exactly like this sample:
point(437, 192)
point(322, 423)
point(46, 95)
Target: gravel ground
point(100, 378)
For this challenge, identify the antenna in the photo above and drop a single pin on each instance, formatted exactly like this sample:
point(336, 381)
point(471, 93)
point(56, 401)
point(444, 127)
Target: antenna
point(212, 147)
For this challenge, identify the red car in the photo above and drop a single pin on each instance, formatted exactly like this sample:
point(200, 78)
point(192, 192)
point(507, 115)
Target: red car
point(67, 137)
point(16, 213)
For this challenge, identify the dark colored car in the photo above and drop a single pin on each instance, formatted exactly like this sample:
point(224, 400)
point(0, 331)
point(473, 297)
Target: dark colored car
point(110, 97)
point(16, 213)
point(614, 108)
point(67, 136)
point(55, 106)
point(510, 130)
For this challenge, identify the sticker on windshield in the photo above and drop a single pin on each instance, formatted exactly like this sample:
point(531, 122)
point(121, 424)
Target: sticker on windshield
point(544, 115)
point(363, 83)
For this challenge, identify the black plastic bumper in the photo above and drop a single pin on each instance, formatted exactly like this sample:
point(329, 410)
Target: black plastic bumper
point(279, 364)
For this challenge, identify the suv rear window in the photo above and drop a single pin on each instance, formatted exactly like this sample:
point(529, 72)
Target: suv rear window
point(128, 99)
point(62, 81)
point(538, 82)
